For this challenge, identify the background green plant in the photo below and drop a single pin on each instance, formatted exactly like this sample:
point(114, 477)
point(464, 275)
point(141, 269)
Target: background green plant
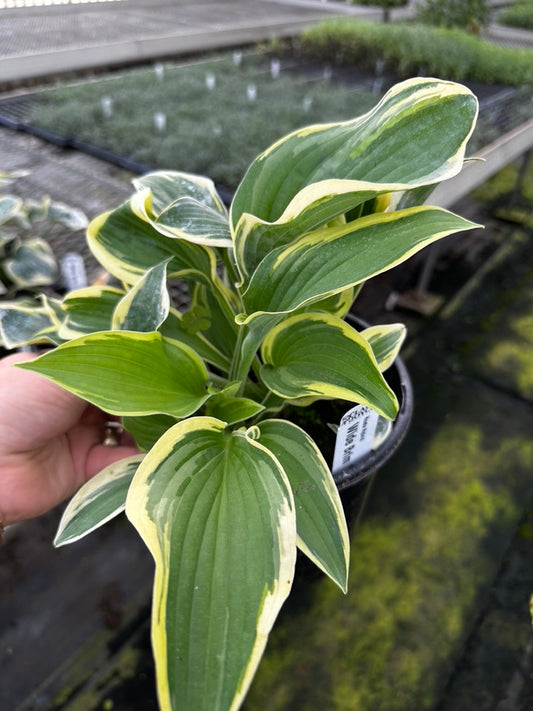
point(417, 48)
point(216, 132)
point(27, 262)
point(520, 14)
point(469, 14)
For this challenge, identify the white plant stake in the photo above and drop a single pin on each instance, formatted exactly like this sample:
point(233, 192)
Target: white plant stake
point(275, 68)
point(377, 85)
point(210, 81)
point(160, 122)
point(237, 58)
point(159, 71)
point(73, 271)
point(251, 92)
point(107, 106)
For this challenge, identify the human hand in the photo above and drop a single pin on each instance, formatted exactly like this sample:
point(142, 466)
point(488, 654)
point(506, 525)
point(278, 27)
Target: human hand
point(50, 442)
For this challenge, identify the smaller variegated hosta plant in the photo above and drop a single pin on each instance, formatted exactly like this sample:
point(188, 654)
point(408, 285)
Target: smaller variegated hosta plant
point(27, 262)
point(228, 489)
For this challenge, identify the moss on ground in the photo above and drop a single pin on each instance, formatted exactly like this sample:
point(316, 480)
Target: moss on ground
point(502, 184)
point(509, 194)
point(126, 684)
point(509, 361)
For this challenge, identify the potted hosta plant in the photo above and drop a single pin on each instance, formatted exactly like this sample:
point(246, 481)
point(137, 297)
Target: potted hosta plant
point(227, 489)
point(27, 262)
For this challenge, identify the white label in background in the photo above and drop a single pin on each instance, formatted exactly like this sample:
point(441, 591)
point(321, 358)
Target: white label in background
point(355, 436)
point(73, 271)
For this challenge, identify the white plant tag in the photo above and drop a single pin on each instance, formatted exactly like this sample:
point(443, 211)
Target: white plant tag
point(355, 436)
point(73, 271)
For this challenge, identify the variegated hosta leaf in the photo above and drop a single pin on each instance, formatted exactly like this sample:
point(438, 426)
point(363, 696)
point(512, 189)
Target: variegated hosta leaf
point(320, 523)
point(183, 206)
point(415, 136)
point(146, 305)
point(338, 304)
point(255, 333)
point(67, 216)
point(128, 373)
point(37, 209)
point(216, 511)
point(148, 429)
point(178, 328)
point(8, 177)
point(88, 310)
point(254, 239)
point(32, 263)
point(327, 261)
point(5, 239)
point(186, 218)
point(319, 354)
point(415, 196)
point(166, 186)
point(126, 246)
point(10, 206)
point(385, 341)
point(402, 139)
point(22, 323)
point(99, 500)
point(54, 308)
point(189, 219)
point(232, 409)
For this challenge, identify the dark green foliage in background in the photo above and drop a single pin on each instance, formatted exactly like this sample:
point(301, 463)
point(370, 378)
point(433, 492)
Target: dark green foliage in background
point(468, 14)
point(411, 49)
point(520, 14)
point(216, 132)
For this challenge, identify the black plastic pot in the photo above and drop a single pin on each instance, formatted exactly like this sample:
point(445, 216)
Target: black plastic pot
point(399, 380)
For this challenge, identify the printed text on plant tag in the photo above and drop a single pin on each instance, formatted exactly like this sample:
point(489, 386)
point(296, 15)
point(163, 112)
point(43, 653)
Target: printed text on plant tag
point(355, 436)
